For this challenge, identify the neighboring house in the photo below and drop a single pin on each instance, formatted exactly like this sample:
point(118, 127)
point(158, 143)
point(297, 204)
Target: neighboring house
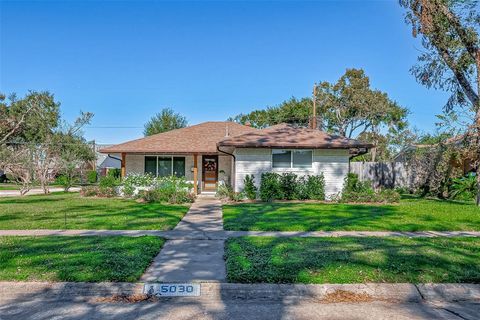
point(105, 162)
point(226, 151)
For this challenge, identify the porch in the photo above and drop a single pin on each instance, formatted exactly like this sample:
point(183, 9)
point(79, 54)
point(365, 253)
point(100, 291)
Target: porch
point(204, 170)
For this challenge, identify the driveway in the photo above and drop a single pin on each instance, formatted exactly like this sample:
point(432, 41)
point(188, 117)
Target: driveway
point(16, 193)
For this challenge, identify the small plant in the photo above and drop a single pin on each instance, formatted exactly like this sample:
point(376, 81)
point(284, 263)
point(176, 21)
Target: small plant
point(96, 191)
point(114, 172)
point(108, 182)
point(224, 191)
point(92, 176)
point(170, 189)
point(270, 186)
point(355, 190)
point(66, 181)
point(250, 189)
point(464, 188)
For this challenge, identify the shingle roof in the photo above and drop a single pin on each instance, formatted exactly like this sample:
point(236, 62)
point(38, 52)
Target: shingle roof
point(200, 138)
point(288, 136)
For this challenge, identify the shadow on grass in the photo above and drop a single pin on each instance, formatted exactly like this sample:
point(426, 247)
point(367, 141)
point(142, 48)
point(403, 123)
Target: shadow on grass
point(88, 258)
point(48, 212)
point(353, 260)
point(406, 216)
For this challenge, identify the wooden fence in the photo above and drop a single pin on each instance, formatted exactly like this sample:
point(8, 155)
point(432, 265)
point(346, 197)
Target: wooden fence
point(383, 174)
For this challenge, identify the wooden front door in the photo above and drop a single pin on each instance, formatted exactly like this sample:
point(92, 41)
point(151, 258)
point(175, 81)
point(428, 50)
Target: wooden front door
point(209, 172)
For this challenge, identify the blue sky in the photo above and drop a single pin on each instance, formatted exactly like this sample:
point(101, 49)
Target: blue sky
point(126, 60)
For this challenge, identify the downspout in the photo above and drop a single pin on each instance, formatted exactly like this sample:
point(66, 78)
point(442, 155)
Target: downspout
point(235, 163)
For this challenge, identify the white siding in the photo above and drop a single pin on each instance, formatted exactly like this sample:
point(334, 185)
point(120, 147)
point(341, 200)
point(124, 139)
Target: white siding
point(333, 163)
point(251, 161)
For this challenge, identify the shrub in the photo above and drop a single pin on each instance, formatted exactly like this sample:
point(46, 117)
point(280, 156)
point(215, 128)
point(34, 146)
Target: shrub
point(270, 187)
point(134, 181)
point(170, 189)
point(288, 185)
point(66, 181)
point(108, 182)
point(464, 188)
point(92, 176)
point(96, 191)
point(315, 187)
point(224, 191)
point(114, 173)
point(250, 189)
point(355, 190)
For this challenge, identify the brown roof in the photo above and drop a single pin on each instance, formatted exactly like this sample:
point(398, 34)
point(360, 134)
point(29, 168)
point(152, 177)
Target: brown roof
point(288, 136)
point(200, 138)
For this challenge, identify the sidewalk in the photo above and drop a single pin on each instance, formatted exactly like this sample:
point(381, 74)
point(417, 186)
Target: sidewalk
point(195, 233)
point(199, 259)
point(16, 193)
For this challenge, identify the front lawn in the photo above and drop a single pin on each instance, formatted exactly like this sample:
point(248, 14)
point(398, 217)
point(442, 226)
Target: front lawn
point(408, 215)
point(48, 212)
point(89, 259)
point(353, 260)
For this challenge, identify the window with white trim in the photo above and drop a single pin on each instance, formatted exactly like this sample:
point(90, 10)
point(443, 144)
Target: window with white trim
point(301, 159)
point(164, 166)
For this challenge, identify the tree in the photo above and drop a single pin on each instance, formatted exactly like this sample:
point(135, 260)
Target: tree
point(164, 121)
point(351, 108)
point(33, 143)
point(449, 32)
point(293, 111)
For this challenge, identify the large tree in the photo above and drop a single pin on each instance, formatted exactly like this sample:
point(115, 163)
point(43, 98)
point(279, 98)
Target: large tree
point(35, 145)
point(165, 120)
point(449, 30)
point(294, 111)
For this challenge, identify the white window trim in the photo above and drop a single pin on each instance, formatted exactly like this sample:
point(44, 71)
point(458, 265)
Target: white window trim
point(291, 159)
point(166, 156)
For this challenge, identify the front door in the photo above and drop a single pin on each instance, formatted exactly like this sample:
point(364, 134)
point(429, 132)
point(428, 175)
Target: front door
point(209, 173)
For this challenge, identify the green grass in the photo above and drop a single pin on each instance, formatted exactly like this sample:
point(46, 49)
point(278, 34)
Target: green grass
point(408, 215)
point(353, 260)
point(88, 259)
point(48, 212)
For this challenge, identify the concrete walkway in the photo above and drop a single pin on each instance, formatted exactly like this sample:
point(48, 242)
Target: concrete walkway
point(199, 259)
point(195, 233)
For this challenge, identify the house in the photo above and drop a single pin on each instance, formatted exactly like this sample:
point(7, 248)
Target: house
point(211, 152)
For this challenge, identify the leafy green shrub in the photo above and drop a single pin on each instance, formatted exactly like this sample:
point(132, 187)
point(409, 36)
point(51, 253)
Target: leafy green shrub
point(66, 181)
point(92, 176)
point(108, 182)
point(464, 188)
point(314, 187)
point(288, 185)
point(355, 190)
point(270, 186)
point(250, 189)
point(170, 189)
point(114, 173)
point(134, 181)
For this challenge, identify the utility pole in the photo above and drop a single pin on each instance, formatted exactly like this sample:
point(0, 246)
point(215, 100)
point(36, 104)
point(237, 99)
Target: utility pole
point(314, 119)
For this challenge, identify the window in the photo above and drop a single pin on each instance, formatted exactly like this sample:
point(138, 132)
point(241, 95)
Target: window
point(179, 166)
point(281, 158)
point(292, 158)
point(164, 166)
point(151, 165)
point(302, 159)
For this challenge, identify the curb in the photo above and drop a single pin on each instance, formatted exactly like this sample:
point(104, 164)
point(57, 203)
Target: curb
point(392, 292)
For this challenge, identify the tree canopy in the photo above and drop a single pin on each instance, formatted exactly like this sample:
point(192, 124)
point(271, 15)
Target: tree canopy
point(164, 121)
point(450, 34)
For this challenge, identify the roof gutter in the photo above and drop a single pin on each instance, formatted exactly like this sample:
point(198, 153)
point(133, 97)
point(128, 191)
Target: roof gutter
point(230, 154)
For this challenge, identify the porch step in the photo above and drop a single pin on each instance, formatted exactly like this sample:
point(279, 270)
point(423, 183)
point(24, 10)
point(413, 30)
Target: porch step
point(208, 195)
